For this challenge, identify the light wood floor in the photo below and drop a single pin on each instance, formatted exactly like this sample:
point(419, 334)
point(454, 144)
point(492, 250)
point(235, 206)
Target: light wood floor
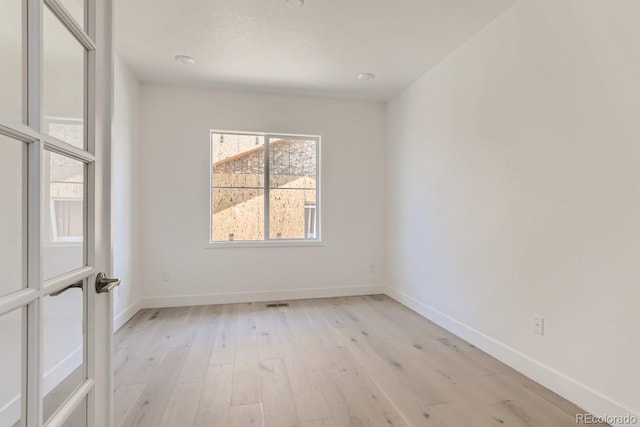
point(338, 362)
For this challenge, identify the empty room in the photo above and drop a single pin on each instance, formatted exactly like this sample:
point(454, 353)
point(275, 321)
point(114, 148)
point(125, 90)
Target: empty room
point(319, 213)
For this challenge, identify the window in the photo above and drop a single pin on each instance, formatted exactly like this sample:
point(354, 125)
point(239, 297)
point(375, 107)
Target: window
point(264, 187)
point(65, 189)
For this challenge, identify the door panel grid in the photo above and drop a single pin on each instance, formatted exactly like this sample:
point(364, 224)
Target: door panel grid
point(33, 306)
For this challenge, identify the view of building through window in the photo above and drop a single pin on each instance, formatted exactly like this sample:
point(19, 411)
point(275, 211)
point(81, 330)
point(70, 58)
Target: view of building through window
point(253, 174)
point(65, 190)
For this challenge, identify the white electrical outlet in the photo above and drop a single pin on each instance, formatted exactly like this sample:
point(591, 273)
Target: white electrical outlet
point(372, 268)
point(165, 277)
point(538, 325)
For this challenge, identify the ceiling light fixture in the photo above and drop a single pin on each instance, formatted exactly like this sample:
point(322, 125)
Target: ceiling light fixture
point(294, 3)
point(365, 77)
point(184, 59)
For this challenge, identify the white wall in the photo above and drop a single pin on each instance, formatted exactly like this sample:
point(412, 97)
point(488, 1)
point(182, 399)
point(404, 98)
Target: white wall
point(125, 159)
point(515, 189)
point(174, 197)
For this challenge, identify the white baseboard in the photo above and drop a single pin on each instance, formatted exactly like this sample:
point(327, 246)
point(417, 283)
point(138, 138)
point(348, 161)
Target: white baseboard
point(585, 397)
point(62, 370)
point(122, 318)
point(275, 295)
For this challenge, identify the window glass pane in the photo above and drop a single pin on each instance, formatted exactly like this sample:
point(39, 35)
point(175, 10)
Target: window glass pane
point(64, 215)
point(64, 83)
point(76, 9)
point(290, 214)
point(63, 348)
point(238, 160)
point(13, 214)
point(292, 163)
point(11, 51)
point(11, 335)
point(238, 214)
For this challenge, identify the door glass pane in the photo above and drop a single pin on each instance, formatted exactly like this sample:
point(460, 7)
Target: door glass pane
point(76, 9)
point(64, 215)
point(13, 213)
point(238, 214)
point(11, 50)
point(64, 83)
point(63, 347)
point(292, 214)
point(79, 417)
point(11, 334)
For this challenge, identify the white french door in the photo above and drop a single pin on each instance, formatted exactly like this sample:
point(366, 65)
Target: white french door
point(55, 310)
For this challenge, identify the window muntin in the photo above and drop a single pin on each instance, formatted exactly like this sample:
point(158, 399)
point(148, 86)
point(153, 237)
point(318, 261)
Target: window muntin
point(262, 187)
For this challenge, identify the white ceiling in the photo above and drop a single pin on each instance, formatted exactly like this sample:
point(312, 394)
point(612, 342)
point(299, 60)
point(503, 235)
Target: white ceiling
point(318, 49)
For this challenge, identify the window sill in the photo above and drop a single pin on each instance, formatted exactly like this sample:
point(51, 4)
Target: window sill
point(267, 244)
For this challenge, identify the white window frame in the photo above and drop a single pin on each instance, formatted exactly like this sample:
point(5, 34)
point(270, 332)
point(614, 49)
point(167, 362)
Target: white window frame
point(268, 242)
point(310, 219)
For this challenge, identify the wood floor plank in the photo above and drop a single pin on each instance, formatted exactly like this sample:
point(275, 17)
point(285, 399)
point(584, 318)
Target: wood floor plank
point(354, 401)
point(502, 394)
point(136, 327)
point(200, 348)
point(332, 362)
point(270, 344)
point(139, 368)
point(277, 397)
point(333, 312)
point(224, 348)
point(182, 406)
point(308, 337)
point(124, 399)
point(385, 337)
point(457, 365)
point(322, 332)
point(307, 396)
point(214, 408)
point(247, 416)
point(246, 382)
point(385, 374)
point(327, 422)
point(247, 319)
point(406, 321)
point(154, 398)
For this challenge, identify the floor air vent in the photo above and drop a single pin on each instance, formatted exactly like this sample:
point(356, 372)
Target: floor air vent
point(274, 305)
